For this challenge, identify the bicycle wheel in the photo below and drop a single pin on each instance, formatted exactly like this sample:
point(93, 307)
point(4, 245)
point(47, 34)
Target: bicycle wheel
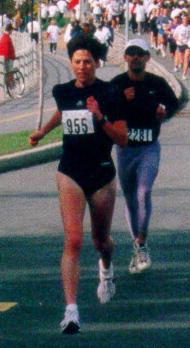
point(15, 83)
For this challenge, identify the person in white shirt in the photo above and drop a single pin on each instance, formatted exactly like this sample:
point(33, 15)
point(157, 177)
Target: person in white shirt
point(186, 61)
point(182, 37)
point(33, 28)
point(68, 30)
point(117, 8)
point(140, 17)
point(53, 32)
point(53, 10)
point(62, 5)
point(103, 34)
point(97, 12)
point(44, 11)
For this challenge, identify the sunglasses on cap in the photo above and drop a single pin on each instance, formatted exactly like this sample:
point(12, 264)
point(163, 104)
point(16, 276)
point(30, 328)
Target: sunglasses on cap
point(135, 51)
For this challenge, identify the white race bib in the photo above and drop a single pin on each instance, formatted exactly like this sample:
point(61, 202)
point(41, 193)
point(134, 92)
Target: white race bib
point(140, 135)
point(77, 122)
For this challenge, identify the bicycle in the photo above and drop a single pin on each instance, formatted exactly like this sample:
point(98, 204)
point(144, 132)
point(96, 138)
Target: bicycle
point(15, 84)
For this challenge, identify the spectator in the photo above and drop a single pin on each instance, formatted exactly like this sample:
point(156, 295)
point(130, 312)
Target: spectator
point(53, 32)
point(182, 36)
point(163, 22)
point(33, 28)
point(186, 61)
point(17, 20)
point(62, 5)
point(175, 21)
point(52, 10)
point(153, 28)
point(103, 35)
point(140, 17)
point(97, 12)
point(132, 12)
point(76, 31)
point(7, 48)
point(44, 13)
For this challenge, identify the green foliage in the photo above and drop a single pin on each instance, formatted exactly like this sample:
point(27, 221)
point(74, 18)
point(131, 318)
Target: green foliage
point(61, 22)
point(15, 142)
point(7, 6)
point(26, 8)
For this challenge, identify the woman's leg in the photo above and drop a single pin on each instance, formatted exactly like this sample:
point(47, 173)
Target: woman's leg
point(72, 208)
point(186, 63)
point(101, 205)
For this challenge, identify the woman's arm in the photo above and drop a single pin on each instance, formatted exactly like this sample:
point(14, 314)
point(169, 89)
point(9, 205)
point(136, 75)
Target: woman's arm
point(50, 125)
point(117, 130)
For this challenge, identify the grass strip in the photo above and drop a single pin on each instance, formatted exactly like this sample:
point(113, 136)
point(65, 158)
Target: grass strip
point(15, 142)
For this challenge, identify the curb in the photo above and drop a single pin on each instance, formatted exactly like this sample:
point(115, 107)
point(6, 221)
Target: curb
point(24, 159)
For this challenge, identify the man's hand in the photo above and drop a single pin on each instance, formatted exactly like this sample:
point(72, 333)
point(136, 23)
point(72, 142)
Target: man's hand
point(129, 93)
point(160, 112)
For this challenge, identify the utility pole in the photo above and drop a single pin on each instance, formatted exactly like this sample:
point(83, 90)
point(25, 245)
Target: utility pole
point(126, 21)
point(41, 60)
point(2, 13)
point(82, 10)
point(32, 17)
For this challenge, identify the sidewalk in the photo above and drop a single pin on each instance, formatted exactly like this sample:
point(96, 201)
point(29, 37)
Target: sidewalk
point(158, 65)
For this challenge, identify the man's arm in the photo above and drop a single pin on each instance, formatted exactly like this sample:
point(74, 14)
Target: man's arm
point(169, 100)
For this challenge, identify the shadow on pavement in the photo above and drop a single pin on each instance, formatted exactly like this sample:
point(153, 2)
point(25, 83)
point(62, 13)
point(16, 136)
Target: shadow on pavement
point(150, 310)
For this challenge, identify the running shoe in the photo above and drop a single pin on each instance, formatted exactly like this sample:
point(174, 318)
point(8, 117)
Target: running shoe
point(140, 260)
point(106, 287)
point(70, 324)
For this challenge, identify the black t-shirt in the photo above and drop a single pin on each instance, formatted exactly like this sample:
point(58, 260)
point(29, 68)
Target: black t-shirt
point(140, 113)
point(84, 140)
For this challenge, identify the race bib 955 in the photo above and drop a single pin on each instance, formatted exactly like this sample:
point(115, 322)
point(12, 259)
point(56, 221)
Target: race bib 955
point(77, 122)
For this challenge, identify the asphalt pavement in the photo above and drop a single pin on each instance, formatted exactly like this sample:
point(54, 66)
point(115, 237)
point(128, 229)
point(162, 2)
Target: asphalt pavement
point(149, 310)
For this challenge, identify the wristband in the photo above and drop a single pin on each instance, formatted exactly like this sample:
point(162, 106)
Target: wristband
point(103, 120)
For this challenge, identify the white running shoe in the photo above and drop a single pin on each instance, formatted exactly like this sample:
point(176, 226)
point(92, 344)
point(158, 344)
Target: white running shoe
point(70, 324)
point(106, 287)
point(140, 260)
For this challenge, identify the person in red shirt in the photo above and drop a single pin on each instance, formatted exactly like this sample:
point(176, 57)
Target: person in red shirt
point(7, 48)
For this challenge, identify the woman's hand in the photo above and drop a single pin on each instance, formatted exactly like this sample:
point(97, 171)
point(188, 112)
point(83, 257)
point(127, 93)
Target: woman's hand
point(36, 136)
point(93, 106)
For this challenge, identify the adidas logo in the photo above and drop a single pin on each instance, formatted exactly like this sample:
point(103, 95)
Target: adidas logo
point(79, 103)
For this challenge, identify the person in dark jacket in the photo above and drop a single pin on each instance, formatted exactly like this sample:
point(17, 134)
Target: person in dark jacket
point(148, 100)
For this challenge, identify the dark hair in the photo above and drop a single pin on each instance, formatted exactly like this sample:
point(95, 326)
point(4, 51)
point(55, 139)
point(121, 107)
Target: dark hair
point(9, 27)
point(84, 43)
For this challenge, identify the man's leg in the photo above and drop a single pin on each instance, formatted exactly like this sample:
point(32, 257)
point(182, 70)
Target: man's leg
point(137, 172)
